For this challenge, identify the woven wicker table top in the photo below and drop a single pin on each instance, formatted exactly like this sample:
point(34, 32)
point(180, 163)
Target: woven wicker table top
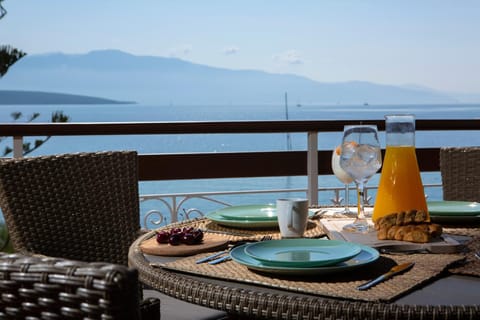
point(239, 291)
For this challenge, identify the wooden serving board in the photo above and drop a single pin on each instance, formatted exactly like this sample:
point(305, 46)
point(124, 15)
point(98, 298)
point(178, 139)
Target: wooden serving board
point(211, 242)
point(333, 228)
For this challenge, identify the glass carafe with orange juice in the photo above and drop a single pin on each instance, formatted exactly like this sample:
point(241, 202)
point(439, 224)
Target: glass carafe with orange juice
point(400, 187)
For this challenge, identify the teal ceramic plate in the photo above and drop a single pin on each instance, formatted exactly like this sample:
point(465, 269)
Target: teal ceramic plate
point(452, 208)
point(246, 223)
point(249, 212)
point(454, 211)
point(366, 256)
point(302, 252)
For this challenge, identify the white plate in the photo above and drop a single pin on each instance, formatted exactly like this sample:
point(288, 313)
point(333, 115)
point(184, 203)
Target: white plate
point(367, 255)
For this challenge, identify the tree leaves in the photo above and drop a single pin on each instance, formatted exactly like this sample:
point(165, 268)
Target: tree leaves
point(8, 56)
point(3, 12)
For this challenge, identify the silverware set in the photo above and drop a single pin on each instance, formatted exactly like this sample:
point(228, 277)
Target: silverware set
point(224, 255)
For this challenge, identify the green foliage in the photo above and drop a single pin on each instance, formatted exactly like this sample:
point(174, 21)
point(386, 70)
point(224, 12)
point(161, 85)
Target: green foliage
point(59, 116)
point(2, 10)
point(8, 56)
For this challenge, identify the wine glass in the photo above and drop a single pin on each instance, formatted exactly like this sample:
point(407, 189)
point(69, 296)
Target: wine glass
point(360, 158)
point(343, 177)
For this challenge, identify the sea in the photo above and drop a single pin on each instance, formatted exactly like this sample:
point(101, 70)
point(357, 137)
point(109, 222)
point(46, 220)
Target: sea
point(187, 143)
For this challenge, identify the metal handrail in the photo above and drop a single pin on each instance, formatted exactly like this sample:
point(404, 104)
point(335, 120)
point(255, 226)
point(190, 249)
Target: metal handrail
point(193, 127)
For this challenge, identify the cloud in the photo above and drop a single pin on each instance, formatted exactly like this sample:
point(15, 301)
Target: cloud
point(180, 51)
point(230, 50)
point(289, 57)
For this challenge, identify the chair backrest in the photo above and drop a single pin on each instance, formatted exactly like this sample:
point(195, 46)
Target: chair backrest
point(82, 206)
point(55, 288)
point(460, 170)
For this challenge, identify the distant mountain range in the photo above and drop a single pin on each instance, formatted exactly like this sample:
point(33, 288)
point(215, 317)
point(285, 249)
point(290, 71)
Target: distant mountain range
point(35, 97)
point(121, 76)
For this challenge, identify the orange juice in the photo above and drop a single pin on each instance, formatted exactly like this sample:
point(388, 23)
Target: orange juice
point(400, 187)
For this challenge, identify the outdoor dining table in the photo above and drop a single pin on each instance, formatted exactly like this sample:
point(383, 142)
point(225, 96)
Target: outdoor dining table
point(440, 286)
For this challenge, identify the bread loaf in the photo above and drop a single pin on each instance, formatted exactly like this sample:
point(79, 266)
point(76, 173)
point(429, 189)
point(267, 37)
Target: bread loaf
point(410, 226)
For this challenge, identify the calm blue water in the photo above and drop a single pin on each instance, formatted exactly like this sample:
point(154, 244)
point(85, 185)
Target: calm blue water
point(244, 142)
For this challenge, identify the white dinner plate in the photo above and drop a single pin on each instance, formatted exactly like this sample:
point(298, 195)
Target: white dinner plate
point(367, 255)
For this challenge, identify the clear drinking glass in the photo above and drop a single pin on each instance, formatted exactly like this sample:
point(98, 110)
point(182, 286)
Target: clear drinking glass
point(360, 158)
point(343, 177)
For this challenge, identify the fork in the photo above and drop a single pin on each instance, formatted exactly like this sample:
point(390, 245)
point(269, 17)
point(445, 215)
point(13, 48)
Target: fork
point(227, 257)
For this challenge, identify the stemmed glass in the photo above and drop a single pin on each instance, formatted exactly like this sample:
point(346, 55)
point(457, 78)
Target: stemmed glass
point(343, 177)
point(360, 158)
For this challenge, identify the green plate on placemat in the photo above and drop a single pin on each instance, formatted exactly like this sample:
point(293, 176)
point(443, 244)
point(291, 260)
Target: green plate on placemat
point(249, 212)
point(217, 216)
point(248, 216)
point(302, 252)
point(454, 211)
point(367, 255)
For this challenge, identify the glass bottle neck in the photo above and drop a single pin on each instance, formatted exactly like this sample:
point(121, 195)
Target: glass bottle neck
point(400, 130)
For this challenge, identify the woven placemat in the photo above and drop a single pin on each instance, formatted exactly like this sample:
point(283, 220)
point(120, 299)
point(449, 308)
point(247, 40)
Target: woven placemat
point(340, 285)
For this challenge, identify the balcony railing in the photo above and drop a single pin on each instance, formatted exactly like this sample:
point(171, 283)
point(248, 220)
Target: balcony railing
point(312, 163)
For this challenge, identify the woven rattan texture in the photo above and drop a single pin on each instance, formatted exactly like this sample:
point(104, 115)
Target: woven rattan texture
point(52, 288)
point(256, 303)
point(342, 285)
point(460, 170)
point(79, 206)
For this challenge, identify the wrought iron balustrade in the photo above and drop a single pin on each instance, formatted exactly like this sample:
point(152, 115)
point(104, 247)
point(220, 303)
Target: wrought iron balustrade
point(173, 207)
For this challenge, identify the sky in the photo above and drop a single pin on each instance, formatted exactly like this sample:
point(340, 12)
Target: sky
point(431, 43)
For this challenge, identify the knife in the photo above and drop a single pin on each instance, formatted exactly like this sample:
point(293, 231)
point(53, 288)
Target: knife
point(392, 272)
point(220, 260)
point(211, 257)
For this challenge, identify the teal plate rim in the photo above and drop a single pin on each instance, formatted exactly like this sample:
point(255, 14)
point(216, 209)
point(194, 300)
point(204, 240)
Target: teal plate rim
point(255, 209)
point(366, 256)
point(247, 224)
point(453, 208)
point(328, 252)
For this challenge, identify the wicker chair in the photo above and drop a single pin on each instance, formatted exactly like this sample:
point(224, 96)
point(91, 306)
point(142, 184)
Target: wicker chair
point(82, 206)
point(53, 288)
point(77, 206)
point(460, 170)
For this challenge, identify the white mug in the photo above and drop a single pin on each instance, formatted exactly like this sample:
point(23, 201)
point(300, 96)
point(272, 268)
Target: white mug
point(292, 217)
